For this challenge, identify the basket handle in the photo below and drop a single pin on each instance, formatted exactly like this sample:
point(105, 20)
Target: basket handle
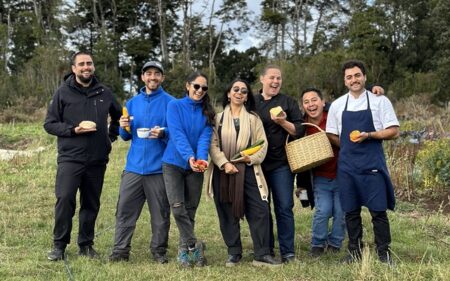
point(309, 124)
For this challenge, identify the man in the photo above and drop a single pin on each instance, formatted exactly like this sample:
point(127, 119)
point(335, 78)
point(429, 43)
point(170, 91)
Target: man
point(142, 179)
point(362, 174)
point(276, 169)
point(82, 151)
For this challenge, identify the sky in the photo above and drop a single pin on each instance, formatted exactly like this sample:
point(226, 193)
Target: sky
point(253, 5)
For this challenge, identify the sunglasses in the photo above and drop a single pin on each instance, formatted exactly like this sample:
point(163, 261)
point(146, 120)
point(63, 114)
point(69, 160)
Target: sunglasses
point(243, 91)
point(197, 87)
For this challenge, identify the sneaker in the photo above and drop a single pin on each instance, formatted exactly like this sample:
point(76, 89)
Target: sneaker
point(266, 260)
point(288, 259)
point(183, 258)
point(233, 260)
point(56, 254)
point(316, 252)
point(198, 254)
point(88, 251)
point(160, 258)
point(332, 249)
point(118, 257)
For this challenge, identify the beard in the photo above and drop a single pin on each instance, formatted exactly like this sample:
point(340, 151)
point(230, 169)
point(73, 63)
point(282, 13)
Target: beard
point(85, 80)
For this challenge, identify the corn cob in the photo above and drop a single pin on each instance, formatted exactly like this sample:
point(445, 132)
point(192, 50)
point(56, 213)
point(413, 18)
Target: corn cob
point(249, 150)
point(125, 113)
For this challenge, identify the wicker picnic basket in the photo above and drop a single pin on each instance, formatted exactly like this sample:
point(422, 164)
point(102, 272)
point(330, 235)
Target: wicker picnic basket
point(308, 152)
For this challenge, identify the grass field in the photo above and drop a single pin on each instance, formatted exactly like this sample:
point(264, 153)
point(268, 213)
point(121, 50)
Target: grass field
point(421, 239)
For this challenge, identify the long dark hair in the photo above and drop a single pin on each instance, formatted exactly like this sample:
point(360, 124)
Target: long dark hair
point(207, 108)
point(249, 104)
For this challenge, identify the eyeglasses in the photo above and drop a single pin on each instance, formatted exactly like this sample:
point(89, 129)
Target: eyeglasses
point(243, 91)
point(197, 87)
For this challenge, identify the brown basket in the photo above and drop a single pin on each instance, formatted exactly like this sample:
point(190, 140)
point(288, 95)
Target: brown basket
point(309, 151)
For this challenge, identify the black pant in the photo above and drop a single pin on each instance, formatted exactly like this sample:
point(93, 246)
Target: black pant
point(381, 231)
point(69, 178)
point(256, 211)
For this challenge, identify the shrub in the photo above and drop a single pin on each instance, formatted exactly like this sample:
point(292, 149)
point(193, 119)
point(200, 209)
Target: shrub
point(433, 165)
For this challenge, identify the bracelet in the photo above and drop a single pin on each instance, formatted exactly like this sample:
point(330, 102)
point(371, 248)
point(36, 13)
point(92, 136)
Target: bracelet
point(368, 136)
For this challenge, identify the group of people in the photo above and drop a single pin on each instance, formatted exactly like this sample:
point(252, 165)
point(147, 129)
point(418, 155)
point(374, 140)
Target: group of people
point(190, 146)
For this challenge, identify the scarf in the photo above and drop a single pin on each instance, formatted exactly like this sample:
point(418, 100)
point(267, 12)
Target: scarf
point(232, 186)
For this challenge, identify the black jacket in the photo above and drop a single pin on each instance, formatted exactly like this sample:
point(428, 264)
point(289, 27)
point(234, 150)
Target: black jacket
point(72, 104)
point(276, 135)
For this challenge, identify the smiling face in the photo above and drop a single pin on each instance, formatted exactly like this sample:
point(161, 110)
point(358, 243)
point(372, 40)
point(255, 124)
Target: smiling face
point(313, 105)
point(238, 93)
point(271, 82)
point(197, 88)
point(354, 80)
point(152, 77)
point(83, 67)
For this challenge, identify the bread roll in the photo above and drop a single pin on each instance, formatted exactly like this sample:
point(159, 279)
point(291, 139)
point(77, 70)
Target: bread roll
point(88, 125)
point(276, 111)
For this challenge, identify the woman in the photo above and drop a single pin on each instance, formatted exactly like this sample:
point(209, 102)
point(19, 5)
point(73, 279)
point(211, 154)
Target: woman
point(189, 121)
point(238, 186)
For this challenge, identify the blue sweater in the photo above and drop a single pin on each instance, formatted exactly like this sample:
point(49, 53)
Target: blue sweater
point(144, 156)
point(190, 135)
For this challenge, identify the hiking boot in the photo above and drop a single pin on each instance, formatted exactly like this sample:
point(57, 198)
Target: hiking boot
point(316, 252)
point(56, 254)
point(88, 251)
point(183, 258)
point(233, 260)
point(266, 260)
point(198, 254)
point(160, 258)
point(332, 249)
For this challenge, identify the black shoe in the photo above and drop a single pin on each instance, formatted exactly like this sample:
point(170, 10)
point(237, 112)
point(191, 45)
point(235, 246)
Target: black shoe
point(352, 257)
point(386, 258)
point(118, 257)
point(233, 260)
point(316, 251)
point(88, 251)
point(56, 254)
point(288, 259)
point(332, 249)
point(160, 258)
point(266, 260)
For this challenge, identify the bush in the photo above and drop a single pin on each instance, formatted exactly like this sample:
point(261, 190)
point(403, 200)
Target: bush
point(432, 169)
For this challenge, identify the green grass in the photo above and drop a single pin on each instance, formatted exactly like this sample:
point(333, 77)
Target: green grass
point(421, 239)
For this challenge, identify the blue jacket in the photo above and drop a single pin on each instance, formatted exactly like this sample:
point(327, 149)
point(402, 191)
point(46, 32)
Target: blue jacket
point(144, 156)
point(190, 135)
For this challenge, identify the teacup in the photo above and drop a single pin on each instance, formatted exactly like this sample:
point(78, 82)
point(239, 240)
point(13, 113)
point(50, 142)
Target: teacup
point(143, 133)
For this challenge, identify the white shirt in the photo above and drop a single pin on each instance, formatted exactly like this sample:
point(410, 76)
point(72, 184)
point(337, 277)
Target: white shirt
point(383, 113)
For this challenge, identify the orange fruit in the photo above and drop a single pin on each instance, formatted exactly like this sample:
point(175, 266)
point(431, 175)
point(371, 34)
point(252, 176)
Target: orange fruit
point(354, 135)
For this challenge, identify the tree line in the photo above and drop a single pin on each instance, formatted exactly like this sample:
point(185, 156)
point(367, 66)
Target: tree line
point(405, 44)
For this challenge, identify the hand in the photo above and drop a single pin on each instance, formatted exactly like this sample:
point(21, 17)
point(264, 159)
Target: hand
point(198, 166)
point(124, 121)
point(230, 168)
point(156, 132)
point(362, 137)
point(243, 159)
point(377, 90)
point(80, 130)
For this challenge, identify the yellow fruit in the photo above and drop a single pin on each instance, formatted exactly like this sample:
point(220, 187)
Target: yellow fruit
point(251, 151)
point(125, 113)
point(276, 111)
point(87, 124)
point(354, 135)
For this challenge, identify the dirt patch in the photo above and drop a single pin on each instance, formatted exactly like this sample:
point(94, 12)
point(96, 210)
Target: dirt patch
point(436, 202)
point(21, 144)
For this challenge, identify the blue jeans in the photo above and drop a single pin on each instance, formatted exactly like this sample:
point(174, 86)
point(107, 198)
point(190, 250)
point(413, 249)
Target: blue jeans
point(281, 186)
point(327, 205)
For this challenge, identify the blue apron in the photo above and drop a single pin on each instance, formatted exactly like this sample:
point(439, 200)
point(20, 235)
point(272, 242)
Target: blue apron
point(362, 174)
